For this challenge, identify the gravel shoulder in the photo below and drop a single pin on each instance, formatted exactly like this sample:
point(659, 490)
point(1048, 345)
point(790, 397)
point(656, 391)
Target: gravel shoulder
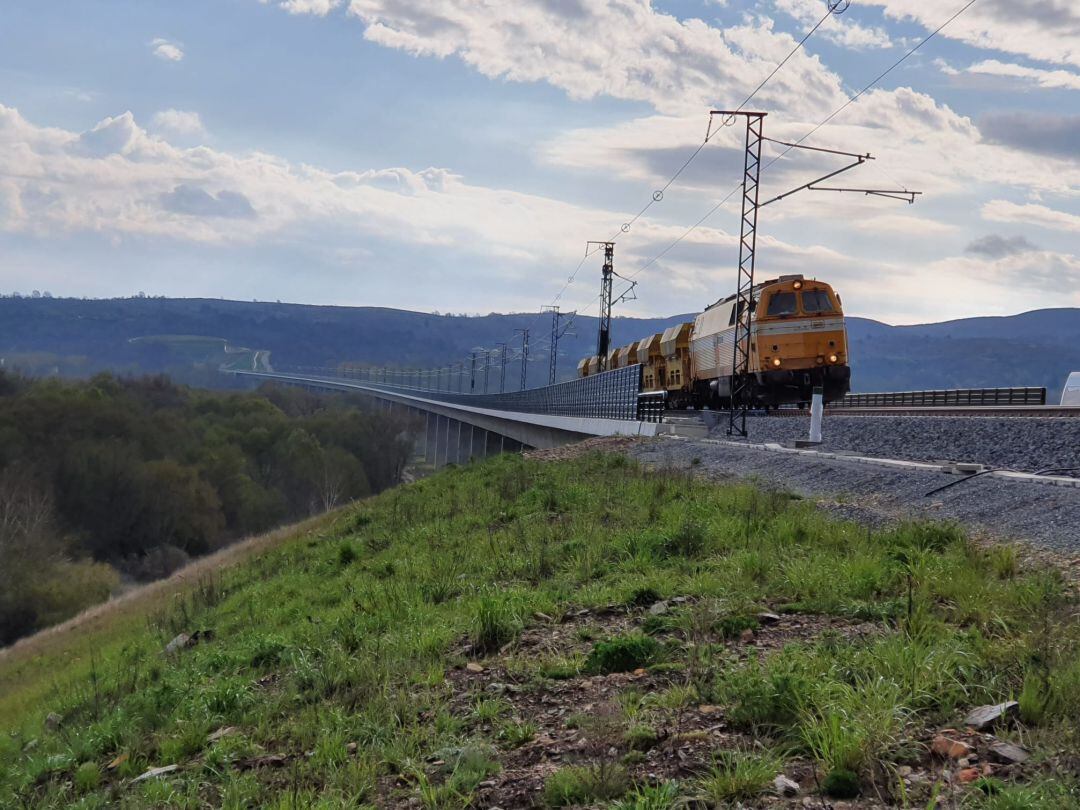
point(1028, 444)
point(1046, 516)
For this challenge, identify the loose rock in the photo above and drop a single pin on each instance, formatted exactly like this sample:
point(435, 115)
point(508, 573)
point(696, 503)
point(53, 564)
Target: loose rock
point(659, 608)
point(153, 773)
point(767, 618)
point(225, 731)
point(1008, 753)
point(474, 667)
point(968, 775)
point(785, 787)
point(985, 717)
point(53, 721)
point(949, 748)
point(180, 642)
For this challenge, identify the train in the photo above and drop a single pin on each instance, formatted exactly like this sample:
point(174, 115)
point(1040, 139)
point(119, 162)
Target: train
point(798, 341)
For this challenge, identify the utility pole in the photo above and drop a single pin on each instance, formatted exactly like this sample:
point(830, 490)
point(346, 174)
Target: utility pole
point(553, 362)
point(603, 338)
point(502, 368)
point(472, 373)
point(487, 368)
point(524, 355)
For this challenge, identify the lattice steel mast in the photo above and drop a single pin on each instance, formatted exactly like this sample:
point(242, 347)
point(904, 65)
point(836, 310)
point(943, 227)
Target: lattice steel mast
point(744, 290)
point(603, 338)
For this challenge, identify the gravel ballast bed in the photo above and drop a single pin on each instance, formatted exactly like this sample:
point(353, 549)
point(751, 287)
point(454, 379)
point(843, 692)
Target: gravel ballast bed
point(1021, 443)
point(1046, 515)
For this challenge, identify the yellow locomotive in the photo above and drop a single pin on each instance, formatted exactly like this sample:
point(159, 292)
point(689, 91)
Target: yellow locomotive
point(798, 340)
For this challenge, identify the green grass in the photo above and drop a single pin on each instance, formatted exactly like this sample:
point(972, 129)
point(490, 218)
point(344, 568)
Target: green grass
point(357, 630)
point(739, 776)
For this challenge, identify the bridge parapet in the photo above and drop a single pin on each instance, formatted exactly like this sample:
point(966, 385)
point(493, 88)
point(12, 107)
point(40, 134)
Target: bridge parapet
point(613, 394)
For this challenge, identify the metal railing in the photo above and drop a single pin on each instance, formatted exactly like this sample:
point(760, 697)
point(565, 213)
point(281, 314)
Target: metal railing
point(945, 398)
point(613, 394)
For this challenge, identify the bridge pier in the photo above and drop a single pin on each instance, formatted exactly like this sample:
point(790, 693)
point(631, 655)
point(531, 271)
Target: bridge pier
point(431, 437)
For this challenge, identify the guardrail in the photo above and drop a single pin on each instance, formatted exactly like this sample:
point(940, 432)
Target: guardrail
point(614, 394)
point(945, 398)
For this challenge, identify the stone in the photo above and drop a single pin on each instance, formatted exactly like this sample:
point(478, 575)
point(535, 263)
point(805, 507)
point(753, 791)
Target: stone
point(496, 688)
point(180, 642)
point(904, 771)
point(767, 618)
point(985, 717)
point(707, 709)
point(1008, 753)
point(224, 731)
point(153, 773)
point(967, 775)
point(659, 608)
point(785, 787)
point(746, 636)
point(351, 748)
point(53, 721)
point(474, 667)
point(948, 748)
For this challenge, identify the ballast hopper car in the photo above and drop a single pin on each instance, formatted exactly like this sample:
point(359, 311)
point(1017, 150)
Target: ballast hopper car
point(798, 341)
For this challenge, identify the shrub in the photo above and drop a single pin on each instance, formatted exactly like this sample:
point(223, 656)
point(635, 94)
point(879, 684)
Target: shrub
point(641, 737)
point(87, 777)
point(841, 783)
point(347, 554)
point(622, 654)
point(585, 784)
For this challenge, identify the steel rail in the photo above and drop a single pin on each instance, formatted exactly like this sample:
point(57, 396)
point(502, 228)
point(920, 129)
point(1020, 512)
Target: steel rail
point(971, 411)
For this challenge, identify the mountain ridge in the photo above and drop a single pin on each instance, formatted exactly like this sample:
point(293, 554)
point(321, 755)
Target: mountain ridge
point(76, 337)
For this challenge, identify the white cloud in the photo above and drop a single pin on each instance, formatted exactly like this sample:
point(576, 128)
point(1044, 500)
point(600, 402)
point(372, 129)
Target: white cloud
point(1031, 214)
point(621, 48)
point(320, 8)
point(181, 123)
point(1046, 30)
point(838, 28)
point(166, 50)
point(1051, 79)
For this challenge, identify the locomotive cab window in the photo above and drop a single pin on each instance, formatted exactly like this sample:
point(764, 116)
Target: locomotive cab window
point(782, 303)
point(738, 309)
point(814, 301)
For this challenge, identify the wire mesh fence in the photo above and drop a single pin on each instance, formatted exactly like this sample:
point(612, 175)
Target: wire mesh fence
point(614, 394)
point(945, 398)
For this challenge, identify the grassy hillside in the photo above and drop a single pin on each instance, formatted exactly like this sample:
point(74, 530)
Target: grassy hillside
point(581, 633)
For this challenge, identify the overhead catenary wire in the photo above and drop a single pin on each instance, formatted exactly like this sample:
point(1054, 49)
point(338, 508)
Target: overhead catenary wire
point(850, 100)
point(832, 7)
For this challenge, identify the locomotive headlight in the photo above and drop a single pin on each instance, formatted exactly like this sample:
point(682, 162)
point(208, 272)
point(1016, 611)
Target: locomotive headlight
point(797, 285)
point(776, 362)
point(833, 358)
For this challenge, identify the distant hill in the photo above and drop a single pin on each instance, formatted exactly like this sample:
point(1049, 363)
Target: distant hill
point(192, 337)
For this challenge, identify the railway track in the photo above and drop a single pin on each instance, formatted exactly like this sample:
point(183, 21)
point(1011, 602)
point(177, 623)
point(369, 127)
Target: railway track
point(985, 411)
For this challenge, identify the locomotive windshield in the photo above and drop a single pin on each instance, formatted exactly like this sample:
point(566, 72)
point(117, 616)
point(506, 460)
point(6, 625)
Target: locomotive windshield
point(782, 303)
point(816, 301)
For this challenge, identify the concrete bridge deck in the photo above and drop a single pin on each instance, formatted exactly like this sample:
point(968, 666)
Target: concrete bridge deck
point(457, 432)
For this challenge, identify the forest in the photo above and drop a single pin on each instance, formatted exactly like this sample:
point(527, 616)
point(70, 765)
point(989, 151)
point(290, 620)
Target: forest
point(111, 481)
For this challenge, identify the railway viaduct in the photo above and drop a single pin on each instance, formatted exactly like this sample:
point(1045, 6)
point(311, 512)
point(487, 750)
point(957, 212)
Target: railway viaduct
point(460, 427)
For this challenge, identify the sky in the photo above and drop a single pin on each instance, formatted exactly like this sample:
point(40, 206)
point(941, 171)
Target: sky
point(457, 155)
